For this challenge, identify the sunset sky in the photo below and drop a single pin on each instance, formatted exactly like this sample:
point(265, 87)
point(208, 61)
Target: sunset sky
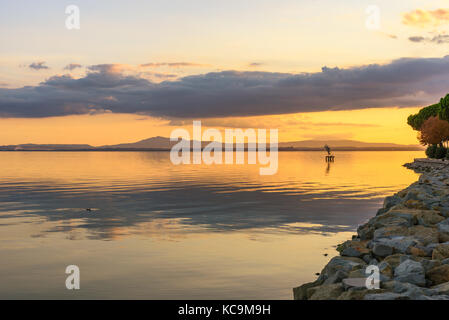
point(137, 69)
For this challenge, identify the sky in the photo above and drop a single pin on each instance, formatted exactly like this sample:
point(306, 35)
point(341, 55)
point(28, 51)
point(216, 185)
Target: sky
point(136, 69)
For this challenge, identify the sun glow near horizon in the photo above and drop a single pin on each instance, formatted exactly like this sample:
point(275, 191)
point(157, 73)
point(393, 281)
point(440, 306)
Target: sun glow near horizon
point(368, 125)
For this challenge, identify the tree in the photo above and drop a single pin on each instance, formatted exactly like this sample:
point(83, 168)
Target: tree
point(434, 131)
point(416, 120)
point(444, 108)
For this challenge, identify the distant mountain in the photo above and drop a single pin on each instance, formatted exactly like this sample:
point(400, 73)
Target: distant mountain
point(151, 143)
point(163, 143)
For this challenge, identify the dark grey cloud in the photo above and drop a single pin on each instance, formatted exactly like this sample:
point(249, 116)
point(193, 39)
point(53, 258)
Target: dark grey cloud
point(438, 39)
point(417, 39)
point(403, 83)
point(38, 65)
point(72, 66)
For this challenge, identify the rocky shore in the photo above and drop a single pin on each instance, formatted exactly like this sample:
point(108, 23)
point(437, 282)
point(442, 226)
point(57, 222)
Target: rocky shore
point(407, 241)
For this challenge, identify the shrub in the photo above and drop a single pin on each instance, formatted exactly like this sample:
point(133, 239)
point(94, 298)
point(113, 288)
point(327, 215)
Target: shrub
point(430, 151)
point(440, 152)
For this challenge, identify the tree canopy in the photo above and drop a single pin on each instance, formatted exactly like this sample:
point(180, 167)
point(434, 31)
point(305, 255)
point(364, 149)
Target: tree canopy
point(434, 131)
point(417, 120)
point(444, 108)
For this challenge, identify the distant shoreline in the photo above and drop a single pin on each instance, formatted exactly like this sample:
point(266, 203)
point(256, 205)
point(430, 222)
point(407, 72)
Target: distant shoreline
point(192, 150)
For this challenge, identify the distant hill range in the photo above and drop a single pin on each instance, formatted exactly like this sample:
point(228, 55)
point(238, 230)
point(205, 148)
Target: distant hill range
point(163, 144)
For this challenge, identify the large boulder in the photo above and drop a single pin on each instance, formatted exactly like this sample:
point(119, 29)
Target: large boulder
point(353, 295)
point(425, 235)
point(443, 229)
point(429, 217)
point(335, 278)
point(442, 288)
point(300, 293)
point(415, 204)
point(411, 272)
point(420, 251)
point(410, 290)
point(353, 248)
point(436, 297)
point(365, 232)
point(430, 264)
point(326, 292)
point(386, 270)
point(382, 250)
point(438, 275)
point(405, 213)
point(391, 201)
point(386, 296)
point(388, 219)
point(441, 252)
point(357, 294)
point(400, 244)
point(390, 231)
point(345, 264)
point(394, 260)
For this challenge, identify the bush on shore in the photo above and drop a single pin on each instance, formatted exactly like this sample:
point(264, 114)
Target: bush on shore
point(430, 151)
point(440, 152)
point(437, 152)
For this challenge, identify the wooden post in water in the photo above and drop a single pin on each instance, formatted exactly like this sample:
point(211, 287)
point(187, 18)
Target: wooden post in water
point(329, 157)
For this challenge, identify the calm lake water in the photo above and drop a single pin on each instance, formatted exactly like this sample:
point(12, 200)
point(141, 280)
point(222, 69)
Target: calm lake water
point(160, 231)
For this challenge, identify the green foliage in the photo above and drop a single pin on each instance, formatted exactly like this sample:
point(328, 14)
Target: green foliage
point(416, 120)
point(440, 152)
point(430, 151)
point(444, 108)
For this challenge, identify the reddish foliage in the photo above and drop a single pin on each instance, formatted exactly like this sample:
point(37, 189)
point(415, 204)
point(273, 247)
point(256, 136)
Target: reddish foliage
point(434, 131)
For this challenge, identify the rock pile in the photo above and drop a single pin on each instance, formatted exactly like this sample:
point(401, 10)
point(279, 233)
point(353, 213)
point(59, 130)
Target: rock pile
point(408, 241)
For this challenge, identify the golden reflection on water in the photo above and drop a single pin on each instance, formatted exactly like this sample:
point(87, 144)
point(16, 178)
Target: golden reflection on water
point(372, 171)
point(162, 231)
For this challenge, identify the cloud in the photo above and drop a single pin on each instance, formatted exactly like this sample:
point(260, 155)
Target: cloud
point(438, 39)
point(255, 64)
point(109, 68)
point(72, 66)
point(417, 39)
point(170, 64)
point(38, 65)
point(404, 82)
point(268, 122)
point(161, 76)
point(425, 18)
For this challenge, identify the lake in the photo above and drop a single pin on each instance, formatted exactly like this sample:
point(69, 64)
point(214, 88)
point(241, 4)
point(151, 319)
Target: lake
point(163, 231)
